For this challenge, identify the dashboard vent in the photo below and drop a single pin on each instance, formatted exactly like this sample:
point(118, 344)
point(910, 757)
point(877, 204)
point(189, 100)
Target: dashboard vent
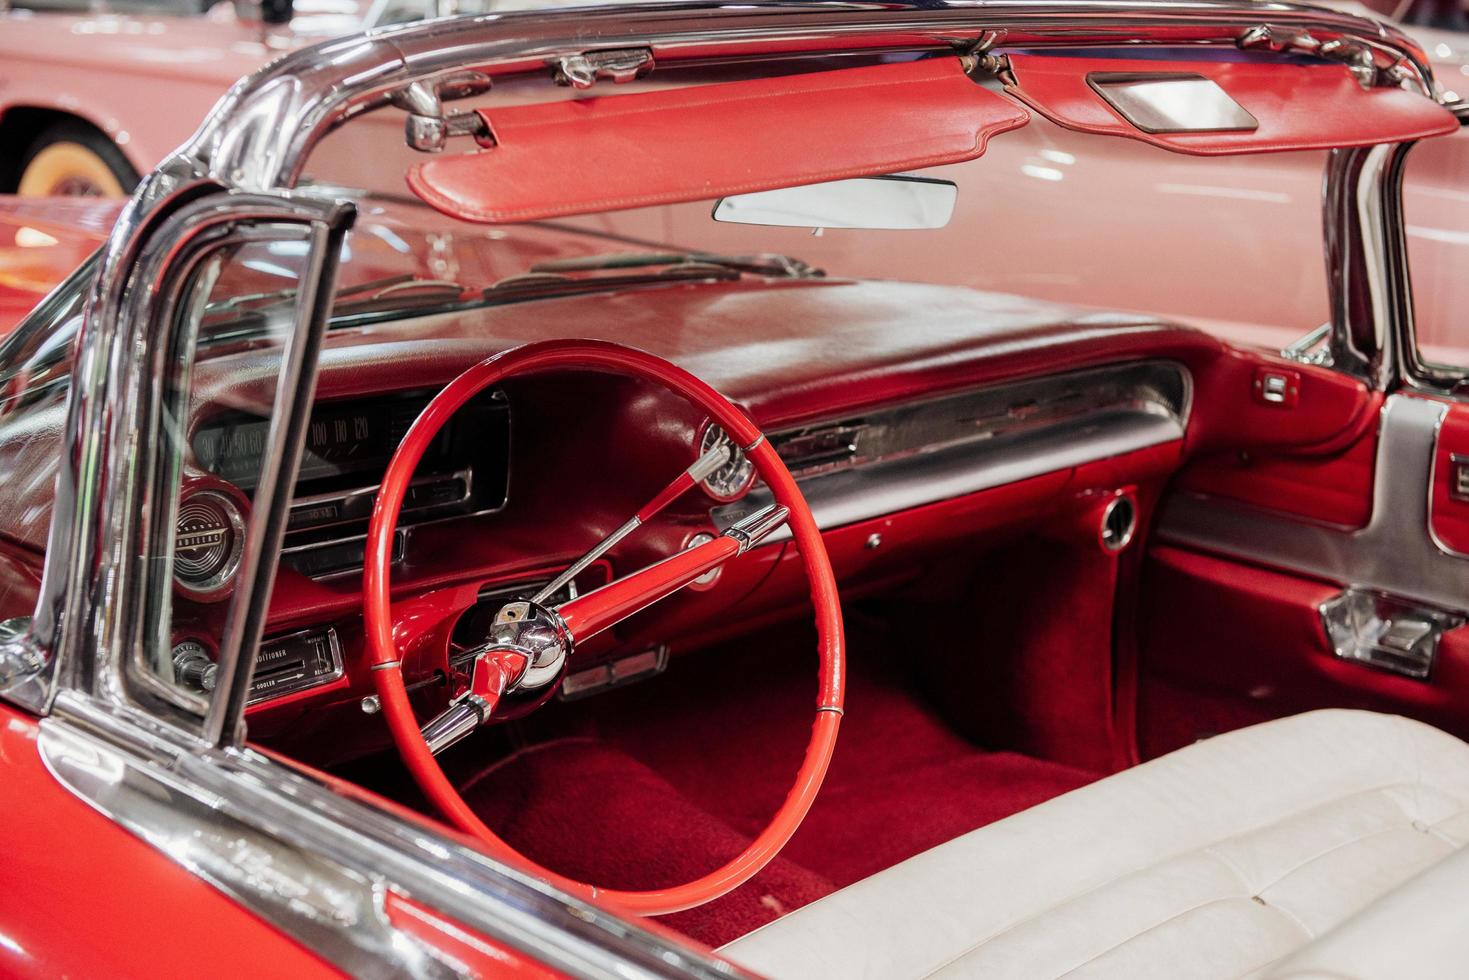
point(820, 448)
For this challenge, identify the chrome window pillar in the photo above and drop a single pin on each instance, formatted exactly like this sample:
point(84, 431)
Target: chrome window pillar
point(1363, 231)
point(1412, 370)
point(115, 497)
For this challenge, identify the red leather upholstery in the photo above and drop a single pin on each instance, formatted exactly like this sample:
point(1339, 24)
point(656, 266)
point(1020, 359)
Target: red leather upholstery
point(691, 144)
point(1298, 107)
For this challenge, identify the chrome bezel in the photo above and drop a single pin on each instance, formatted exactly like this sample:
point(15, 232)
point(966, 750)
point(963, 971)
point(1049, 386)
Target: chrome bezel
point(218, 584)
point(334, 648)
point(1116, 543)
point(739, 465)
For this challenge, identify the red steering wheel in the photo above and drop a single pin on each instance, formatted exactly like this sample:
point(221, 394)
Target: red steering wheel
point(529, 643)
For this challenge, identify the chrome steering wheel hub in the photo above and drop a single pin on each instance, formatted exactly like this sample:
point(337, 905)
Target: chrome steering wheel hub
point(537, 632)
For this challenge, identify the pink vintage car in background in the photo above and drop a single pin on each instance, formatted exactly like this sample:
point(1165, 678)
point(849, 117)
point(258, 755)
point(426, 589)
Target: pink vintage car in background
point(94, 94)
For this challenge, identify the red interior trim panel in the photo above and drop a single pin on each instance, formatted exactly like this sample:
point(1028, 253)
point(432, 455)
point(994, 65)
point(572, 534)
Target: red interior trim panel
point(1319, 412)
point(605, 154)
point(1294, 107)
point(1332, 490)
point(1249, 641)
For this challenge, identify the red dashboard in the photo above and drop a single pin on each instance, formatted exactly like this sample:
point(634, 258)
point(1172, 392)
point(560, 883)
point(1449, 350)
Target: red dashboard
point(916, 418)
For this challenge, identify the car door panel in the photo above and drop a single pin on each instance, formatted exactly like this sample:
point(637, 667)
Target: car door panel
point(1332, 489)
point(1231, 629)
point(1319, 411)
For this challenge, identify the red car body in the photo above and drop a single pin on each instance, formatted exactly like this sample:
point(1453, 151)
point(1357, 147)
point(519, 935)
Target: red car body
point(912, 414)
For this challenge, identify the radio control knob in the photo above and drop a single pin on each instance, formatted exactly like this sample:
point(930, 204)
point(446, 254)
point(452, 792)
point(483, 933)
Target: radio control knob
point(193, 668)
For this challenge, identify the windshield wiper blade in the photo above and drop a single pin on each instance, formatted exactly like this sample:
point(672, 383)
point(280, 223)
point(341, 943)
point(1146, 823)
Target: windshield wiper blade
point(239, 317)
point(373, 289)
point(539, 284)
point(758, 264)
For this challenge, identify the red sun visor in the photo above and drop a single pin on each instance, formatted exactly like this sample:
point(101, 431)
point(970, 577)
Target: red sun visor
point(1220, 107)
point(627, 151)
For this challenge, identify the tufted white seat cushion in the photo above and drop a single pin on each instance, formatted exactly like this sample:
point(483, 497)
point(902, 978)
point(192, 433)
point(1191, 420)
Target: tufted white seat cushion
point(1215, 861)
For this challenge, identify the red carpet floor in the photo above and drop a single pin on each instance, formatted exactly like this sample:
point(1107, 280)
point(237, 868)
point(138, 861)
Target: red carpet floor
point(663, 781)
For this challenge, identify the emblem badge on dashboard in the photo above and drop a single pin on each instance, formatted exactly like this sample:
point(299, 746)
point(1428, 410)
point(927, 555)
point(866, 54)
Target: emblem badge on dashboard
point(207, 543)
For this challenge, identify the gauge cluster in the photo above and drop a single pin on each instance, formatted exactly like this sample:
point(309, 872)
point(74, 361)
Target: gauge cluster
point(348, 446)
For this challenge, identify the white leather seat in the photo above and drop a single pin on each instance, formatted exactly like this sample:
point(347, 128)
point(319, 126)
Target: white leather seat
point(1220, 860)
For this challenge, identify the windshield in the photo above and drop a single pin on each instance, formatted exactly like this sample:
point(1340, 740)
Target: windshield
point(1045, 214)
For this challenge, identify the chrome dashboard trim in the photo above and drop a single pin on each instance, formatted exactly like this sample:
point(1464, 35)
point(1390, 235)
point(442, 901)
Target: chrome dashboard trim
point(404, 533)
point(866, 491)
point(1393, 554)
point(465, 474)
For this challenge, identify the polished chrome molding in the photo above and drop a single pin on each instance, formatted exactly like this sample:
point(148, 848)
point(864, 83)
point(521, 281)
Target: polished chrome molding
point(334, 653)
point(988, 415)
point(851, 496)
point(1365, 286)
point(316, 864)
point(757, 527)
point(1385, 633)
point(1311, 348)
point(614, 674)
point(929, 474)
point(23, 665)
point(455, 722)
point(230, 535)
point(1393, 554)
point(117, 493)
point(1118, 523)
point(465, 474)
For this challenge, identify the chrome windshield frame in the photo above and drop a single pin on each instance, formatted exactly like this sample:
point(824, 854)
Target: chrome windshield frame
point(263, 130)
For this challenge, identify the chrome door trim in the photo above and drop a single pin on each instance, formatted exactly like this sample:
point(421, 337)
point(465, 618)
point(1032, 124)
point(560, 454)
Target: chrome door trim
point(317, 864)
point(1394, 553)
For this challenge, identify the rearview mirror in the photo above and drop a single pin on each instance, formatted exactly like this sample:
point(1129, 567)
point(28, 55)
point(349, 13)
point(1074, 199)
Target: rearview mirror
point(897, 202)
point(264, 12)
